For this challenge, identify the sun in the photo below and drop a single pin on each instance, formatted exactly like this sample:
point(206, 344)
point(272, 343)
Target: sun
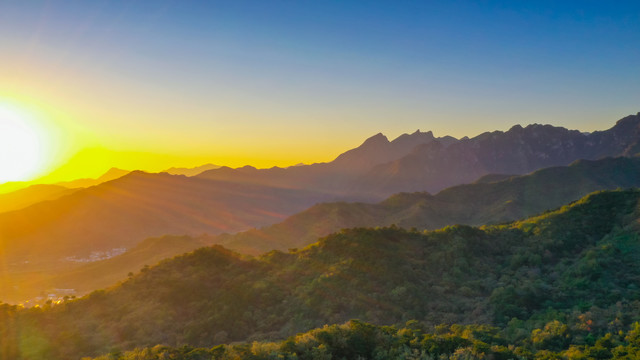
point(22, 150)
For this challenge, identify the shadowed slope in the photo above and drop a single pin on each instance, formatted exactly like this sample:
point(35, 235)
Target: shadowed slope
point(474, 204)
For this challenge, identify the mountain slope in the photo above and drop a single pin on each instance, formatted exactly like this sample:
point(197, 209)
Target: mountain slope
point(483, 202)
point(527, 270)
point(122, 212)
point(85, 277)
point(111, 174)
point(33, 194)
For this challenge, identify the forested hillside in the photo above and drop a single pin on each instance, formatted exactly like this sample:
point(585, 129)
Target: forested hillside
point(578, 265)
point(358, 340)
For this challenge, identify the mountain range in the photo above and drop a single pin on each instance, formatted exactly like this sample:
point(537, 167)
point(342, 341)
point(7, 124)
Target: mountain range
point(59, 234)
point(335, 176)
point(544, 258)
point(111, 174)
point(190, 171)
point(489, 200)
point(421, 162)
point(25, 195)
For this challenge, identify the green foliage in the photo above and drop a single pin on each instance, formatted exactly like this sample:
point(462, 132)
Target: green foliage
point(358, 340)
point(555, 284)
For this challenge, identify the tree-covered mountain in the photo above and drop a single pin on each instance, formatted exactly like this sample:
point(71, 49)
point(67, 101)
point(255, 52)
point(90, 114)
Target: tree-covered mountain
point(358, 340)
point(490, 200)
point(578, 265)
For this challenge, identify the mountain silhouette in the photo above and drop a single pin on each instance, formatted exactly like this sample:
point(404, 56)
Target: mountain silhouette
point(190, 171)
point(335, 176)
point(434, 166)
point(111, 174)
point(421, 162)
point(31, 195)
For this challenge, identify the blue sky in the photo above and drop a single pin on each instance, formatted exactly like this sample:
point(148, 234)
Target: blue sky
point(320, 74)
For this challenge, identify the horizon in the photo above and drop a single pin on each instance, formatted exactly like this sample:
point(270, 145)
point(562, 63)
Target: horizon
point(153, 85)
point(52, 178)
point(241, 179)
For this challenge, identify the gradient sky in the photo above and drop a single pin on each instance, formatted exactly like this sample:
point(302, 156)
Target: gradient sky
point(154, 84)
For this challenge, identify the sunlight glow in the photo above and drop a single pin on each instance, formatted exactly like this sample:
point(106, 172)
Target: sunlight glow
point(23, 153)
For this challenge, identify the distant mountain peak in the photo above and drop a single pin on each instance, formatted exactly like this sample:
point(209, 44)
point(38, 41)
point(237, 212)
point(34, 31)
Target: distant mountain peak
point(136, 173)
point(376, 139)
point(113, 173)
point(190, 171)
point(418, 132)
point(416, 137)
point(628, 122)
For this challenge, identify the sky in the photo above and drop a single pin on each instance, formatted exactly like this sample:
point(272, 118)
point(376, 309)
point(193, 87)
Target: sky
point(154, 84)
